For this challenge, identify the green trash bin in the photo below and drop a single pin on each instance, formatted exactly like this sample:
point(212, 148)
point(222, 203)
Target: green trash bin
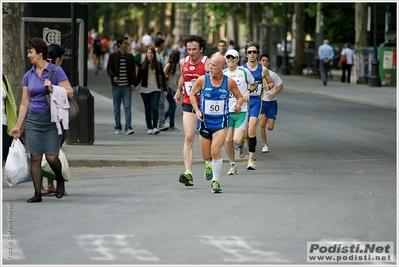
point(387, 64)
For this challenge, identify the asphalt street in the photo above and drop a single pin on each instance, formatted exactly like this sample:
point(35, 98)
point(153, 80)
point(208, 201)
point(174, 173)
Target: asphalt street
point(330, 176)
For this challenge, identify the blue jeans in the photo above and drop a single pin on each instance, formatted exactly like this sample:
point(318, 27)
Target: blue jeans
point(151, 102)
point(172, 108)
point(122, 95)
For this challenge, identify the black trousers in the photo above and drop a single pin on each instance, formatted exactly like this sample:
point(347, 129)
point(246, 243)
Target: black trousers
point(346, 68)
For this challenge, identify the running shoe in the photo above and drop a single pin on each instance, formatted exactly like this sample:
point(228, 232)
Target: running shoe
point(186, 178)
point(243, 151)
point(117, 131)
point(251, 164)
point(155, 131)
point(216, 187)
point(130, 131)
point(149, 131)
point(208, 174)
point(265, 149)
point(232, 169)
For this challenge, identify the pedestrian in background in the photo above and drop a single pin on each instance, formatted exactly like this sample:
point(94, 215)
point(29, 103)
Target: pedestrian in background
point(153, 83)
point(268, 114)
point(42, 135)
point(172, 73)
point(136, 49)
point(9, 115)
point(222, 49)
point(159, 44)
point(326, 54)
point(97, 52)
point(346, 53)
point(112, 46)
point(182, 48)
point(122, 71)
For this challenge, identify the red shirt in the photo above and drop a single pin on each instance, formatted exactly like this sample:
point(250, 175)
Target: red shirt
point(191, 72)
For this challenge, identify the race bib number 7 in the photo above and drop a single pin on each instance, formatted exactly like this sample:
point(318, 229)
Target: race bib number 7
point(214, 107)
point(188, 86)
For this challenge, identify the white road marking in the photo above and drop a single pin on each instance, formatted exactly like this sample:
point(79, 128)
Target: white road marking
point(113, 247)
point(241, 249)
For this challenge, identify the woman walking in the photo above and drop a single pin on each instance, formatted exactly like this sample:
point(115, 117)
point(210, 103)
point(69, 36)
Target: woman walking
point(172, 72)
point(42, 135)
point(153, 82)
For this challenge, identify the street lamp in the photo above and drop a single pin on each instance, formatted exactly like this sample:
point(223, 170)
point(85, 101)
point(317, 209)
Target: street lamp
point(374, 80)
point(285, 69)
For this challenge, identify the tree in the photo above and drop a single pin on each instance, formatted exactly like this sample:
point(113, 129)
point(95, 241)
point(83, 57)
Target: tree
point(250, 22)
point(360, 24)
point(13, 62)
point(300, 37)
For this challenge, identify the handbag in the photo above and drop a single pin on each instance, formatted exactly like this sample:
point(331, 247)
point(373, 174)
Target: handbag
point(73, 110)
point(17, 167)
point(343, 59)
point(47, 172)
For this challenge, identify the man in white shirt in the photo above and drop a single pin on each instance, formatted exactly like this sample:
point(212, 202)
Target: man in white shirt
point(268, 113)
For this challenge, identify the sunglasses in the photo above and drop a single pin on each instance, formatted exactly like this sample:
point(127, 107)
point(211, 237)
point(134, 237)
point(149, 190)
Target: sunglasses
point(252, 52)
point(229, 57)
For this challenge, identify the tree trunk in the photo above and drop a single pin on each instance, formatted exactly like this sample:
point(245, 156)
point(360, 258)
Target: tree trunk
point(13, 61)
point(360, 25)
point(162, 18)
point(300, 37)
point(250, 22)
point(146, 19)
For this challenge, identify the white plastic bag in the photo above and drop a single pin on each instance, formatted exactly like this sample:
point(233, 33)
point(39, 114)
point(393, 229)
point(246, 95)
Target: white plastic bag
point(47, 172)
point(17, 168)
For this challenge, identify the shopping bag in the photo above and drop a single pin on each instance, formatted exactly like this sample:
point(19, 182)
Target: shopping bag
point(47, 172)
point(17, 167)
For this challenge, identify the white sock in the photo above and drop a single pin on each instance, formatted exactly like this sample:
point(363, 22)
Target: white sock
point(216, 168)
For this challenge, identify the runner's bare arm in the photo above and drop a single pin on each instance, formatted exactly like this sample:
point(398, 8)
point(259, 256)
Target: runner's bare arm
point(269, 80)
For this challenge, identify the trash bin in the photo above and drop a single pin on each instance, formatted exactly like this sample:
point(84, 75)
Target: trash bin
point(364, 56)
point(81, 128)
point(387, 64)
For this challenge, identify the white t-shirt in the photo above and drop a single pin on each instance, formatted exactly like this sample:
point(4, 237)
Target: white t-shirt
point(243, 78)
point(277, 82)
point(349, 55)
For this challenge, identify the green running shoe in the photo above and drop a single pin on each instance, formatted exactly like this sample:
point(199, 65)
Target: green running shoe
point(186, 178)
point(216, 187)
point(208, 174)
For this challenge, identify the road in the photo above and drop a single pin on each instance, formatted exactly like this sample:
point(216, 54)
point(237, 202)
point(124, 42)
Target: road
point(330, 175)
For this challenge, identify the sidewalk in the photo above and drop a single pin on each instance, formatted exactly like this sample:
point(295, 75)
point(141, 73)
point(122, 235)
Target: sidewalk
point(166, 148)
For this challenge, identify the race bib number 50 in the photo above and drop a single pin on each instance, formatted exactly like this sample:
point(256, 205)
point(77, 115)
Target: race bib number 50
point(214, 107)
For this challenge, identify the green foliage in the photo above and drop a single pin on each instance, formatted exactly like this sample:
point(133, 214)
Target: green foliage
point(339, 18)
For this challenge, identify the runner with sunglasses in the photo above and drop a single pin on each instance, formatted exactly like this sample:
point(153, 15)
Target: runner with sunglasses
point(265, 82)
